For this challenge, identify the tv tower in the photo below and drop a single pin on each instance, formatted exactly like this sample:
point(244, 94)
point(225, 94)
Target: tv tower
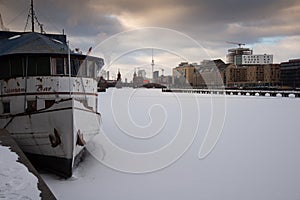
point(152, 64)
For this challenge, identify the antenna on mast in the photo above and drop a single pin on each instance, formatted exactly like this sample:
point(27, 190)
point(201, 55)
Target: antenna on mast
point(32, 16)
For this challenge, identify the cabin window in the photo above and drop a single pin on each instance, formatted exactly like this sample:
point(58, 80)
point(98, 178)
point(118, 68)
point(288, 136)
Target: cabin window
point(83, 68)
point(31, 106)
point(91, 68)
point(6, 107)
point(31, 67)
point(43, 66)
point(17, 68)
point(67, 67)
point(4, 68)
point(74, 67)
point(99, 63)
point(58, 66)
point(38, 66)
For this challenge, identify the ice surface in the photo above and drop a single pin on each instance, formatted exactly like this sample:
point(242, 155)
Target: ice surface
point(16, 182)
point(256, 156)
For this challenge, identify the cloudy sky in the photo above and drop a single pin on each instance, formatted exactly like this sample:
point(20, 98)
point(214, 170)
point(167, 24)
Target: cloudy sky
point(266, 26)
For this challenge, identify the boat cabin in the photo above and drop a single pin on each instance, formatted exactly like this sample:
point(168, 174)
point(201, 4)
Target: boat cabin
point(35, 72)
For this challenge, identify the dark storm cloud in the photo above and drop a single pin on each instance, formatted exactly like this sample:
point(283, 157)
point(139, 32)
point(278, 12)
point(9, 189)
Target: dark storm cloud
point(211, 22)
point(237, 20)
point(232, 19)
point(77, 17)
point(201, 10)
point(205, 17)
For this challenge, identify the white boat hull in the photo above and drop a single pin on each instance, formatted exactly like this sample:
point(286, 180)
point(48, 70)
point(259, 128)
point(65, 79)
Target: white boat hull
point(70, 125)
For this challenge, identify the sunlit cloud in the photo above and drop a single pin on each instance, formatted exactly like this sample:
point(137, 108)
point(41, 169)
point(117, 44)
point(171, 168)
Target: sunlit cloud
point(266, 26)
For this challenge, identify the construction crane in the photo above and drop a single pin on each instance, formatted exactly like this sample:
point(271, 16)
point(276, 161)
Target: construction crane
point(237, 43)
point(3, 28)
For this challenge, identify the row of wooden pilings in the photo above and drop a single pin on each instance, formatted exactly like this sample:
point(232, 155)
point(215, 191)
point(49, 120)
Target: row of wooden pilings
point(267, 93)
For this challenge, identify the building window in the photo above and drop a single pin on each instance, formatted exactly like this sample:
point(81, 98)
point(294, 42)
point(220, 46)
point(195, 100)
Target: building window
point(31, 106)
point(6, 107)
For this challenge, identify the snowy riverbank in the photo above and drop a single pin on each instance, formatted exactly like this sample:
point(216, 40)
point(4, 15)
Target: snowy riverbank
point(16, 182)
point(256, 156)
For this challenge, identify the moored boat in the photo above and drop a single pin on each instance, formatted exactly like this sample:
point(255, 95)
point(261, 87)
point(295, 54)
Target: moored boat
point(48, 97)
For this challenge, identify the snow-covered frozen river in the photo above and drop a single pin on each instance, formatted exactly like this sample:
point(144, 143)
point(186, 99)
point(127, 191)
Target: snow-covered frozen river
point(16, 182)
point(150, 148)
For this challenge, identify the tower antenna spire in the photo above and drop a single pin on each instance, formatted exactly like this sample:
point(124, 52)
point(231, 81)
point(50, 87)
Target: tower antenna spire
point(152, 64)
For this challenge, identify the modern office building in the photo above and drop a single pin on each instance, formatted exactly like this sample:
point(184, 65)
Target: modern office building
point(290, 73)
point(142, 73)
point(235, 76)
point(155, 75)
point(253, 75)
point(254, 59)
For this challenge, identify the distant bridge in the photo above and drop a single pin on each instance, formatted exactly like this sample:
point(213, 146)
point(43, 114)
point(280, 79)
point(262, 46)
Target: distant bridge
point(267, 93)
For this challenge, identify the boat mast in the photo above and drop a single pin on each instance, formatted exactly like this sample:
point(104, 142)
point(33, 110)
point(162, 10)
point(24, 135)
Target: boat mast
point(32, 16)
point(69, 67)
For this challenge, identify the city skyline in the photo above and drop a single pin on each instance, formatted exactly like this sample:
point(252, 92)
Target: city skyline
point(266, 26)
